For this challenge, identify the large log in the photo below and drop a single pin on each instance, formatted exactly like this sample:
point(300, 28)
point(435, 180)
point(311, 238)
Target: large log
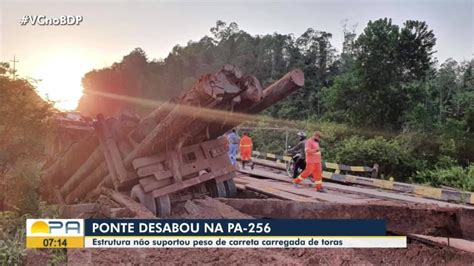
point(89, 165)
point(200, 129)
point(279, 90)
point(205, 111)
point(88, 184)
point(126, 123)
point(124, 147)
point(147, 123)
point(253, 93)
point(110, 143)
point(108, 159)
point(58, 173)
point(208, 92)
point(274, 93)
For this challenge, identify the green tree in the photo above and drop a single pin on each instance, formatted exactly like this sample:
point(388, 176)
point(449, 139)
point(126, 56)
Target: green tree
point(446, 88)
point(112, 90)
point(387, 59)
point(23, 127)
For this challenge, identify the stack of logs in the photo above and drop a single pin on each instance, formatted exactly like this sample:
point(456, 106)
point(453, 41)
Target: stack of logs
point(215, 104)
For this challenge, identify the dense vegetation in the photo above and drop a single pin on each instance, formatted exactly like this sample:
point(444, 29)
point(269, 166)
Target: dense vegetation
point(24, 123)
point(23, 127)
point(384, 98)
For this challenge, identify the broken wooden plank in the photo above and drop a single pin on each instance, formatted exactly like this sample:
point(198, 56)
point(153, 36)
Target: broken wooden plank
point(122, 212)
point(270, 191)
point(312, 193)
point(112, 148)
point(457, 243)
point(108, 160)
point(358, 190)
point(447, 195)
point(304, 191)
point(137, 208)
point(74, 211)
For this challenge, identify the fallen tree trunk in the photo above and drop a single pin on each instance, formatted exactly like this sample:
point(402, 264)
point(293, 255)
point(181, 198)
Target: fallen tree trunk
point(252, 93)
point(88, 184)
point(149, 122)
point(89, 165)
point(57, 174)
point(207, 92)
point(112, 176)
point(279, 90)
point(203, 112)
point(274, 93)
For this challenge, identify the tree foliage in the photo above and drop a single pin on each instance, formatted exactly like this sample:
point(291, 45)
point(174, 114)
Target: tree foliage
point(23, 122)
point(113, 89)
point(23, 127)
point(376, 91)
point(385, 79)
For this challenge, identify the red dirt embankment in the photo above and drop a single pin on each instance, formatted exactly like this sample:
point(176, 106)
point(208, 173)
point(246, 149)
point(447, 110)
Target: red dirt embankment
point(416, 253)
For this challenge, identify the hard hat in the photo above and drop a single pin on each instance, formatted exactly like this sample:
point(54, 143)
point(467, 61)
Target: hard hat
point(317, 134)
point(301, 134)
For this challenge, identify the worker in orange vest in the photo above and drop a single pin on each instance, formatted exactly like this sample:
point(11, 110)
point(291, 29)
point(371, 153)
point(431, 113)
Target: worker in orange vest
point(246, 146)
point(313, 163)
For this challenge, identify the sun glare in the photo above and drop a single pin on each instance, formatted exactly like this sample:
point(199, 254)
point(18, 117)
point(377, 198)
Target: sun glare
point(59, 79)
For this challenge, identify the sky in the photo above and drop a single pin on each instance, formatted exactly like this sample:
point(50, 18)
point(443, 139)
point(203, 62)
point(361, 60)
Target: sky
point(58, 56)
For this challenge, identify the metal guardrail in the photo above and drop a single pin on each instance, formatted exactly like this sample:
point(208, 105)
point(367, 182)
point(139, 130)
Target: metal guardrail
point(326, 165)
point(442, 194)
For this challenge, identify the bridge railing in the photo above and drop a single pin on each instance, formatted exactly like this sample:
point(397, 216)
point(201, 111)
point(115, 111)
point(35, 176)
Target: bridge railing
point(333, 167)
point(340, 174)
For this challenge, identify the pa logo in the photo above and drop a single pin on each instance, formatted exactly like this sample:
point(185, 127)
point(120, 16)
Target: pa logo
point(56, 227)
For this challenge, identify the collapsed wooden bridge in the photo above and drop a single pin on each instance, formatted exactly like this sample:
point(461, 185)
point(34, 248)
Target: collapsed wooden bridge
point(173, 151)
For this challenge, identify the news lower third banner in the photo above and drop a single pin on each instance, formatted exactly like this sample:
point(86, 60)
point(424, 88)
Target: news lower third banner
point(213, 233)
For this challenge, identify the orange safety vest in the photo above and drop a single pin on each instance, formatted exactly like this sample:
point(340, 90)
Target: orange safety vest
point(246, 143)
point(313, 154)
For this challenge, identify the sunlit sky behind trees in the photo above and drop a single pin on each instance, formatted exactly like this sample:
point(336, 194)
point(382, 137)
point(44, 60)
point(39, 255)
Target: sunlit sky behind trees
point(58, 56)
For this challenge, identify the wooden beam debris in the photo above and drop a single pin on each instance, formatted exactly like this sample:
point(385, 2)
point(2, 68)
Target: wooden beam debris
point(204, 112)
point(126, 201)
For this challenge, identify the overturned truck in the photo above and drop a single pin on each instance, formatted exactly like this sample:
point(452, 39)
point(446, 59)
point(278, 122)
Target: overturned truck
point(173, 152)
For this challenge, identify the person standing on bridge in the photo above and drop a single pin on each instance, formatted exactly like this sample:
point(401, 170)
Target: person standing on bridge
point(246, 146)
point(233, 140)
point(313, 162)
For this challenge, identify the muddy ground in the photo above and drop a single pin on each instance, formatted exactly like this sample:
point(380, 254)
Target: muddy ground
point(416, 253)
